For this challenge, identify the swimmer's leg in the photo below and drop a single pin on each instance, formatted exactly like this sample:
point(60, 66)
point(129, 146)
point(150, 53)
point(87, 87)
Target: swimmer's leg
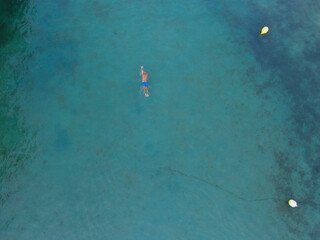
point(146, 92)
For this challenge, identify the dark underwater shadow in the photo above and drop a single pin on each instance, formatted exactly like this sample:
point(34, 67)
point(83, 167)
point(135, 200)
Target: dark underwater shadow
point(17, 142)
point(291, 52)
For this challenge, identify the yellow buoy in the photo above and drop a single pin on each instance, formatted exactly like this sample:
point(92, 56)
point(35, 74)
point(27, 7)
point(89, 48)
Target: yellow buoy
point(264, 30)
point(292, 203)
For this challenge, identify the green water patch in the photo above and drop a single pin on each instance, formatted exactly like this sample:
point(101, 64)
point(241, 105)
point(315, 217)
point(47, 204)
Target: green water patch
point(12, 12)
point(17, 144)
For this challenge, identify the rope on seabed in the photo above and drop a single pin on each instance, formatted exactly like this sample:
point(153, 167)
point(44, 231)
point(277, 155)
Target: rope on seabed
point(220, 188)
point(227, 191)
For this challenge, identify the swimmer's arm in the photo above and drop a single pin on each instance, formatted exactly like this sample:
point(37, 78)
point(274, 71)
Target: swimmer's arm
point(141, 70)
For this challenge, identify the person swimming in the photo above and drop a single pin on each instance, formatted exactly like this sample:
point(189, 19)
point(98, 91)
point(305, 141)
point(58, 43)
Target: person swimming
point(144, 82)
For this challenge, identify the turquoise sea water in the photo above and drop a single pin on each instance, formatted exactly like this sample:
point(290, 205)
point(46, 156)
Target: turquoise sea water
point(229, 133)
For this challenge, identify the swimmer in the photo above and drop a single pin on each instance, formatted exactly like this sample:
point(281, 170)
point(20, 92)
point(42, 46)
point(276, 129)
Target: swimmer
point(144, 82)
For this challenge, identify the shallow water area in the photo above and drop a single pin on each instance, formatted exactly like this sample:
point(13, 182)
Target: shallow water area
point(213, 153)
